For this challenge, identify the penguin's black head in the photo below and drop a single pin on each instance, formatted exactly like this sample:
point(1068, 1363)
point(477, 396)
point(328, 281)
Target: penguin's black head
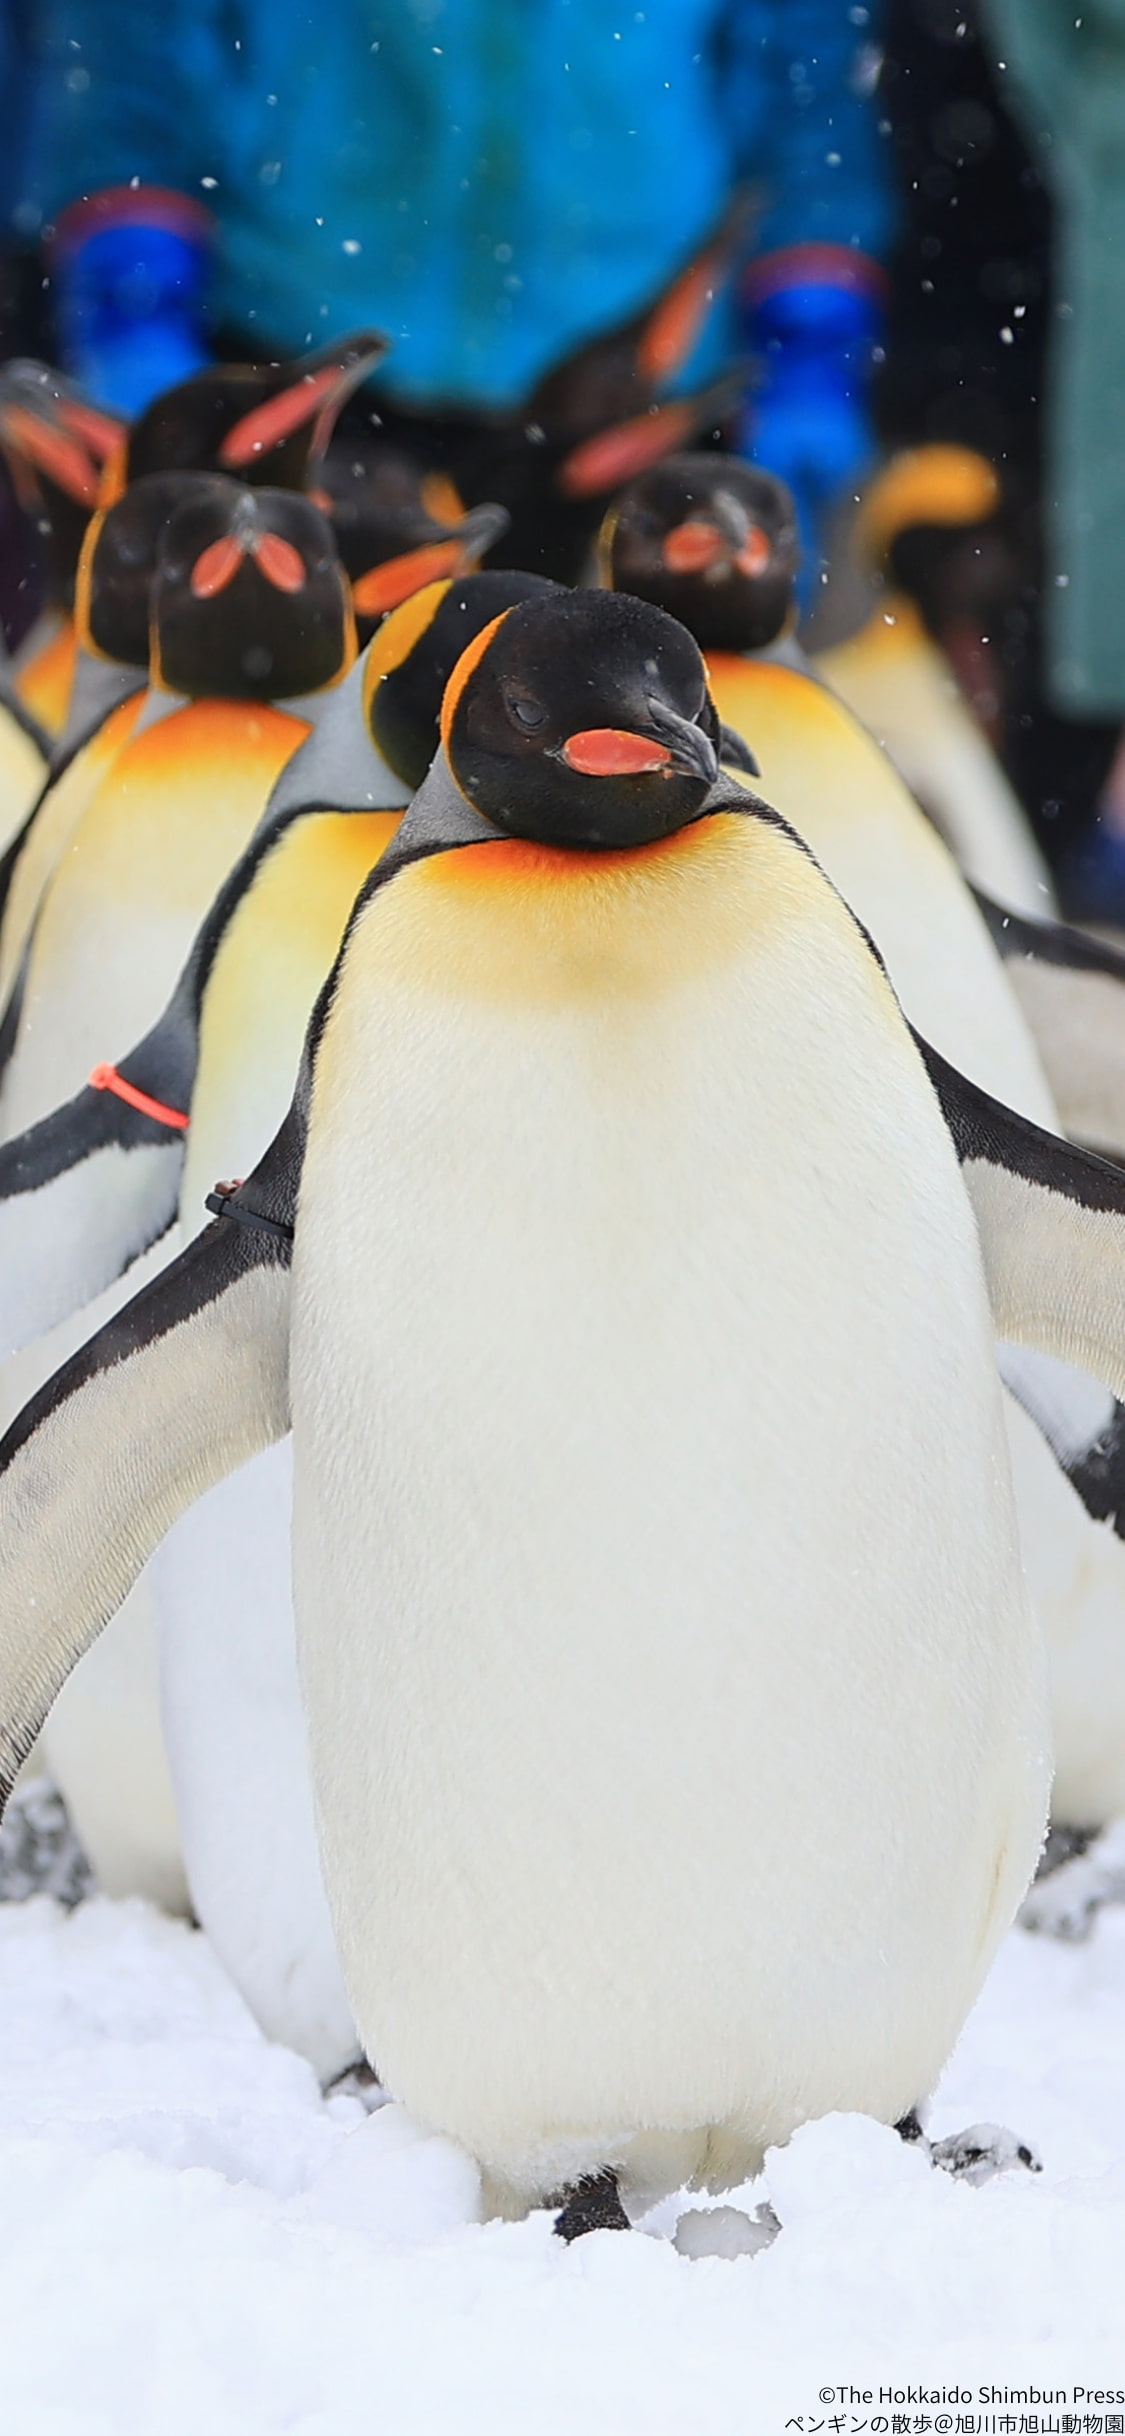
point(414, 654)
point(397, 525)
point(713, 541)
point(936, 523)
point(260, 423)
point(57, 443)
point(583, 719)
point(249, 598)
point(118, 561)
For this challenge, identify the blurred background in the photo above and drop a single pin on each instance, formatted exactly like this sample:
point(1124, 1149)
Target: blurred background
point(876, 228)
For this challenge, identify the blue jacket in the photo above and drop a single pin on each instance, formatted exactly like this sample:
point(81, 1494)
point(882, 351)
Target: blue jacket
point(489, 180)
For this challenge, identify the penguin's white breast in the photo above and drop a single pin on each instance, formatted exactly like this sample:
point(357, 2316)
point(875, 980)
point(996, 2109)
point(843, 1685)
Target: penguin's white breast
point(656, 1624)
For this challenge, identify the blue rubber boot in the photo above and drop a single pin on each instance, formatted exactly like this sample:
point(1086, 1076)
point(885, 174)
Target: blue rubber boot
point(130, 271)
point(815, 322)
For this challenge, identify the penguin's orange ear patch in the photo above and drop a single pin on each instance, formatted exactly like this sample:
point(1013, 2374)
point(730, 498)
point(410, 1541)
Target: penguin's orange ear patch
point(441, 499)
point(115, 473)
point(281, 564)
point(473, 652)
point(216, 567)
point(614, 457)
point(613, 752)
point(266, 426)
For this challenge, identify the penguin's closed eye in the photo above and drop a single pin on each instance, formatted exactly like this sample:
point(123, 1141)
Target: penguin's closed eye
point(527, 714)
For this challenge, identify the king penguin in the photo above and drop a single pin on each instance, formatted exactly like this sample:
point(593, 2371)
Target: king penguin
point(596, 416)
point(628, 1272)
point(265, 424)
point(111, 619)
point(259, 423)
point(227, 1049)
point(712, 541)
point(895, 678)
point(398, 525)
point(249, 609)
point(249, 594)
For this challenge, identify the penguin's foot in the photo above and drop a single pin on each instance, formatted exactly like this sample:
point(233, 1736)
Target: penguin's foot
point(360, 2081)
point(981, 2152)
point(1062, 1844)
point(1068, 1893)
point(591, 2206)
point(39, 1851)
point(975, 2155)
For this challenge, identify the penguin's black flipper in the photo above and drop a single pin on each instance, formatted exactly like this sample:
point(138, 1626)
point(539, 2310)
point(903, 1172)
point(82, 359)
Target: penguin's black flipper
point(1083, 1425)
point(183, 1385)
point(1071, 988)
point(1051, 1220)
point(88, 1189)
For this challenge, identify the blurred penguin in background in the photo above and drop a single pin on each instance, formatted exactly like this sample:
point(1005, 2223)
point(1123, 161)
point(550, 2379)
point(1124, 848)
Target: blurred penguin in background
point(496, 199)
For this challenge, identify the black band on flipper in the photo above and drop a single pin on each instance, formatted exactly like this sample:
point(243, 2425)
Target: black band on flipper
point(983, 1128)
point(1098, 1474)
point(1046, 942)
point(223, 1205)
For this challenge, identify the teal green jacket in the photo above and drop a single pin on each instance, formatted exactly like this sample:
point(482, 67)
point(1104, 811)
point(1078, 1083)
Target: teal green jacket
point(1063, 68)
point(491, 181)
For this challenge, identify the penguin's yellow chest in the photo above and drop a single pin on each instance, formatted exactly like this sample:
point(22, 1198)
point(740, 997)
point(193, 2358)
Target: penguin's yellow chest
point(178, 805)
point(276, 954)
point(627, 1472)
point(823, 771)
point(22, 772)
point(54, 825)
point(157, 841)
point(818, 766)
point(517, 923)
point(44, 682)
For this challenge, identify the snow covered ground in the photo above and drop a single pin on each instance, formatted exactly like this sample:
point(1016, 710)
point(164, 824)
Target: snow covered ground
point(195, 2243)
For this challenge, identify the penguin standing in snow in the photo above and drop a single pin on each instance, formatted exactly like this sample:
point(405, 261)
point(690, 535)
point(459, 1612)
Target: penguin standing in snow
point(628, 1203)
point(711, 541)
point(249, 595)
point(227, 1049)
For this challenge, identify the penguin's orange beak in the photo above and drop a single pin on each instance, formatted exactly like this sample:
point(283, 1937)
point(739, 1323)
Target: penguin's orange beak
point(614, 752)
point(218, 564)
point(54, 452)
point(265, 426)
point(384, 587)
point(691, 546)
point(695, 545)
